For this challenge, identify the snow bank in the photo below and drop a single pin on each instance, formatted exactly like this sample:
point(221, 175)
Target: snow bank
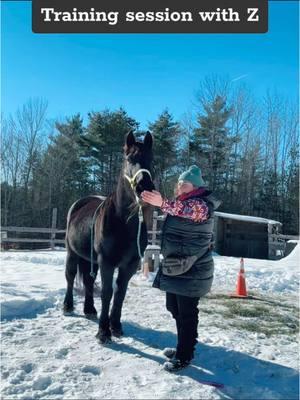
point(37, 257)
point(24, 308)
point(30, 282)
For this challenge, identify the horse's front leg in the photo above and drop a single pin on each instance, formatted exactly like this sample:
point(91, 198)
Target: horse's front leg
point(124, 276)
point(107, 272)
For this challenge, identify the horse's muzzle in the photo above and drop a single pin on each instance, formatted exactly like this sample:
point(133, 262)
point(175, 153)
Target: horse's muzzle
point(141, 186)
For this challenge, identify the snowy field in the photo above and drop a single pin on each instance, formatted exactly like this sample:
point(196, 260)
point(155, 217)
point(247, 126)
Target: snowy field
point(250, 346)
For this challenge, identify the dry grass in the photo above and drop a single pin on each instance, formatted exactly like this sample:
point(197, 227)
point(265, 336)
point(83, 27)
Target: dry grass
point(268, 316)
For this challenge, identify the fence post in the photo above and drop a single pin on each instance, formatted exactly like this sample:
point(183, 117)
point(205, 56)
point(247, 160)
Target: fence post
point(53, 226)
point(154, 227)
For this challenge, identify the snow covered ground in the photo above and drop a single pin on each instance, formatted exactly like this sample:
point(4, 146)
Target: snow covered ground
point(251, 346)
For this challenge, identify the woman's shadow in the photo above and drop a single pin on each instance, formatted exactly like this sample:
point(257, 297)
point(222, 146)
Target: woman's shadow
point(243, 376)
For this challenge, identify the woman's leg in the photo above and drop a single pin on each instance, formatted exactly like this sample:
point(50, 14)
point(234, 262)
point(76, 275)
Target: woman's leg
point(187, 321)
point(171, 304)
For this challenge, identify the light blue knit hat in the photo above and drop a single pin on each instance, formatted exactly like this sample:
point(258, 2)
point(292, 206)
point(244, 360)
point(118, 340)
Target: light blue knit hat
point(192, 175)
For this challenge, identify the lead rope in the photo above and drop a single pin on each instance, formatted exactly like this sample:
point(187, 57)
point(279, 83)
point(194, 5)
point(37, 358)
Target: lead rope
point(139, 231)
point(140, 214)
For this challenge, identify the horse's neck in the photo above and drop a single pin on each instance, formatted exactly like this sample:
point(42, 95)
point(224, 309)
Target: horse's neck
point(125, 202)
point(124, 199)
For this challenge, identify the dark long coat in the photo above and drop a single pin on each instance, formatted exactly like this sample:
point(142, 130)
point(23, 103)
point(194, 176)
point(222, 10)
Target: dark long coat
point(183, 237)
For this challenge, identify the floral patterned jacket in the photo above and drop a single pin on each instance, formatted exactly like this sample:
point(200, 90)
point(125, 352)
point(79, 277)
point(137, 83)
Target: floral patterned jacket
point(187, 206)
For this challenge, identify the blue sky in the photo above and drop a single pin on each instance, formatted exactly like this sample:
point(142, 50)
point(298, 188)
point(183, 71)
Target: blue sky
point(142, 73)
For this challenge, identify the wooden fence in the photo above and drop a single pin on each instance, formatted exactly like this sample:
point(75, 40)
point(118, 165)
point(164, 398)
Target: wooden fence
point(21, 234)
point(17, 234)
point(51, 233)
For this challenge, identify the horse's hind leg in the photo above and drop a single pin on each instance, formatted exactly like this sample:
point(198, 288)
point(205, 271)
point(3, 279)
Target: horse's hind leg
point(70, 273)
point(88, 281)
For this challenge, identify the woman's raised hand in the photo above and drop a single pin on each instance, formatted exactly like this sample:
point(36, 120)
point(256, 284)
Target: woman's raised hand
point(154, 198)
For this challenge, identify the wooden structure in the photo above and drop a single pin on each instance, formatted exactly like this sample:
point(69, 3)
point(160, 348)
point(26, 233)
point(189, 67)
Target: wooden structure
point(246, 236)
point(151, 258)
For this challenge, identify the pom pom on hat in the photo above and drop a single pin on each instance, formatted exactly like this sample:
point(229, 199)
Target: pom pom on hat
point(192, 175)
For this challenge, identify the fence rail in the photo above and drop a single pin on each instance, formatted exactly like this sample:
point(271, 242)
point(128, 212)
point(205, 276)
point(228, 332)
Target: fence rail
point(287, 237)
point(27, 229)
point(23, 240)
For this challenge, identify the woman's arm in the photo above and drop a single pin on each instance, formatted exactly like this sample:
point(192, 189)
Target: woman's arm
point(194, 209)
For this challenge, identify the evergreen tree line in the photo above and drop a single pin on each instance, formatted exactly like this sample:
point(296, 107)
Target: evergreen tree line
point(247, 150)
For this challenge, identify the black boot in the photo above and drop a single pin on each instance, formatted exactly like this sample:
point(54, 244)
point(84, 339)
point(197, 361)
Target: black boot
point(174, 365)
point(169, 352)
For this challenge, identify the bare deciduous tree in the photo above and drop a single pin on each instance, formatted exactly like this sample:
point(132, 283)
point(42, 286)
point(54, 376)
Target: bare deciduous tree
point(30, 121)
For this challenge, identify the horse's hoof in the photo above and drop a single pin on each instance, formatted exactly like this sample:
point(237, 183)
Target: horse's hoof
point(103, 337)
point(68, 310)
point(88, 309)
point(91, 316)
point(117, 332)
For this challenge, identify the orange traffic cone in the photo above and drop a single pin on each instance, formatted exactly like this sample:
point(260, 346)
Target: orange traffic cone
point(241, 290)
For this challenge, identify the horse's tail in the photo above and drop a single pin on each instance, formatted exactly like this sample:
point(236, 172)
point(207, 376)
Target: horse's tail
point(79, 284)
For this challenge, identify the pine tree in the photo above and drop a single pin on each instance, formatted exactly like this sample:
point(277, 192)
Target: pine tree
point(211, 143)
point(63, 175)
point(103, 143)
point(290, 217)
point(166, 133)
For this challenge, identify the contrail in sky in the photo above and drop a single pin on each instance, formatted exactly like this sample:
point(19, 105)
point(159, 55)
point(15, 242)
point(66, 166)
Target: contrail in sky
point(239, 77)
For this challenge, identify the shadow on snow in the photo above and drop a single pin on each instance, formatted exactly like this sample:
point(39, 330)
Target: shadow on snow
point(244, 376)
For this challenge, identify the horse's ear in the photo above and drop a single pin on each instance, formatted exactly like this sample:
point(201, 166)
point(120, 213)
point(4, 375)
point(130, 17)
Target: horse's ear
point(148, 140)
point(130, 139)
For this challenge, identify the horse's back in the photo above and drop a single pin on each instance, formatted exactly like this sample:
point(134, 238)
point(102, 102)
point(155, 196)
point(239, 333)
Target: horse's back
point(79, 224)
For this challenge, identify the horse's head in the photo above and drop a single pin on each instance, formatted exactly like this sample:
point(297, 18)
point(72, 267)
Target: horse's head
point(138, 160)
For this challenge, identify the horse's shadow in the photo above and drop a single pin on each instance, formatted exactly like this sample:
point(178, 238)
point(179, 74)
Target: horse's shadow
point(243, 376)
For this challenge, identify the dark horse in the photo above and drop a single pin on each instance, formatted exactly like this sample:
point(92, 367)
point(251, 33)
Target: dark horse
point(112, 227)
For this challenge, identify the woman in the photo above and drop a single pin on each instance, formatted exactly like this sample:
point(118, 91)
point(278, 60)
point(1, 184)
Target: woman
point(187, 270)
